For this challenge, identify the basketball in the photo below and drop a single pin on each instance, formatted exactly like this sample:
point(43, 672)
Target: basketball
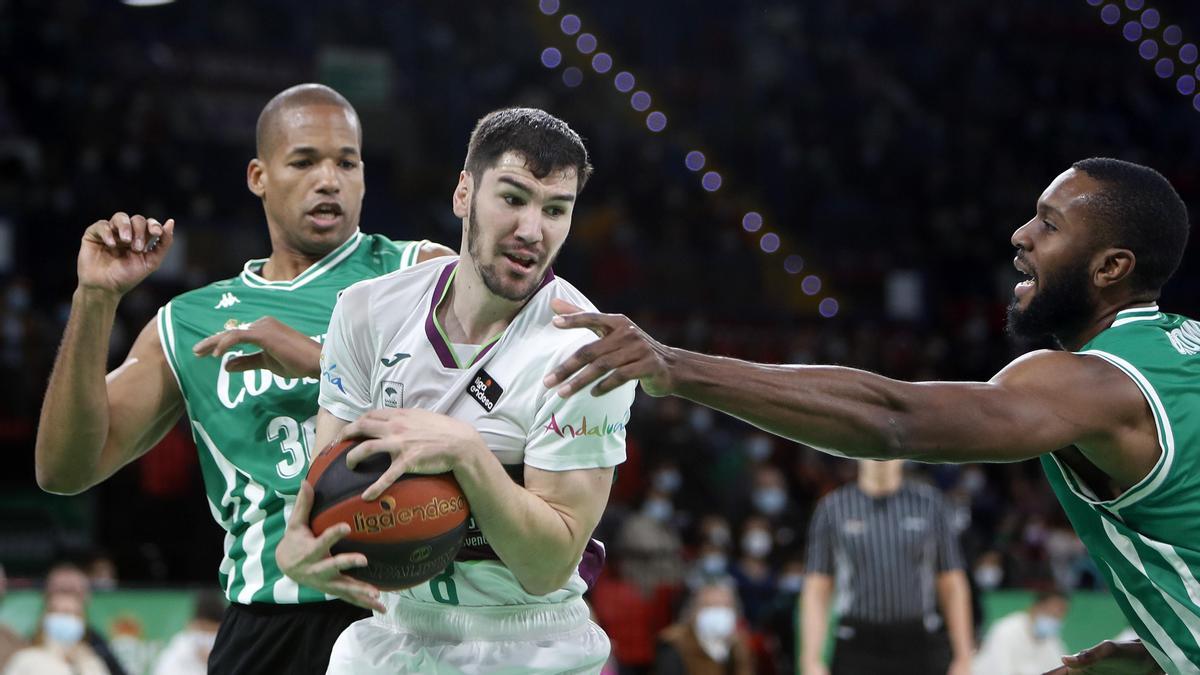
point(409, 534)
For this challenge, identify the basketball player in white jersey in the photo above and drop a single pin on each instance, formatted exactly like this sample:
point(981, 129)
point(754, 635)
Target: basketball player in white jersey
point(441, 366)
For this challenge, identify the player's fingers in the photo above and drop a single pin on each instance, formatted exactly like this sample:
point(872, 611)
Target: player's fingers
point(332, 567)
point(138, 225)
point(561, 306)
point(1061, 670)
point(153, 233)
point(583, 356)
point(321, 545)
point(584, 378)
point(600, 324)
point(352, 592)
point(393, 474)
point(249, 362)
point(120, 221)
point(166, 238)
point(620, 376)
point(364, 427)
point(301, 506)
point(101, 231)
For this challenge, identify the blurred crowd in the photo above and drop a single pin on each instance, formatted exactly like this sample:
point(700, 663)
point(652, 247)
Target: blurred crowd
point(893, 145)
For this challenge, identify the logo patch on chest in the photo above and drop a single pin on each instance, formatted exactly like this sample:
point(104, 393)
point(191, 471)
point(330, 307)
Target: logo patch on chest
point(485, 390)
point(393, 394)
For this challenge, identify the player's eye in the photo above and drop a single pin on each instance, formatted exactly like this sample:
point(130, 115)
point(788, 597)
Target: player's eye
point(513, 200)
point(1046, 225)
point(301, 163)
point(555, 211)
point(347, 164)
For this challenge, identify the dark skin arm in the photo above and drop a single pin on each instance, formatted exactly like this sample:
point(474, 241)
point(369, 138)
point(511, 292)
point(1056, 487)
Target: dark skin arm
point(1042, 402)
point(1110, 658)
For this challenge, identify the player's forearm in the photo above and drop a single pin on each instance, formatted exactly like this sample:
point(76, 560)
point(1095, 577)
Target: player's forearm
point(954, 596)
point(532, 539)
point(850, 412)
point(814, 617)
point(74, 420)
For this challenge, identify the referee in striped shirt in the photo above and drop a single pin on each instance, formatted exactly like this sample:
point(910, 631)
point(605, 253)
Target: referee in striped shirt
point(896, 562)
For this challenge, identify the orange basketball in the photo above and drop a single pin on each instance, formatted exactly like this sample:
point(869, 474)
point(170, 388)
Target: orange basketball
point(409, 534)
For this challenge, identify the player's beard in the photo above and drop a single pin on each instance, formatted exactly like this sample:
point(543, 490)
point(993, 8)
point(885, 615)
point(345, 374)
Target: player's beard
point(491, 277)
point(1060, 307)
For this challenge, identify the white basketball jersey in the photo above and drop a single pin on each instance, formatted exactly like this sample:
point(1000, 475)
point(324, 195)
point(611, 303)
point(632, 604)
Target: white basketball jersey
point(386, 349)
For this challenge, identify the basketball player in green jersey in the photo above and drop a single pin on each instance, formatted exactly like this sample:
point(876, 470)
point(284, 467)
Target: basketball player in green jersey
point(1114, 415)
point(253, 428)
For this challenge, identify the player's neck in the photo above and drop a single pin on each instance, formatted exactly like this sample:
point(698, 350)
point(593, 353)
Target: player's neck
point(879, 483)
point(285, 266)
point(470, 313)
point(1102, 322)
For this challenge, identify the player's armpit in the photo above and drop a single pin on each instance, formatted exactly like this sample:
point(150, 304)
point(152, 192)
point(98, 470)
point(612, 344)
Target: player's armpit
point(144, 402)
point(1039, 403)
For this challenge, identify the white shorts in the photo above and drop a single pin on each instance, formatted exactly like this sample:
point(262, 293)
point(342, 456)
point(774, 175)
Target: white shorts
point(417, 637)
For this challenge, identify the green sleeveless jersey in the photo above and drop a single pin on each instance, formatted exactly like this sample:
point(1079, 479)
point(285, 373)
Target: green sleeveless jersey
point(1146, 542)
point(255, 430)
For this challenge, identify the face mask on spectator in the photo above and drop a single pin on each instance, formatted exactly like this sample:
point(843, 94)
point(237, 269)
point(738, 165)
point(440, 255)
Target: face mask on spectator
point(719, 536)
point(770, 501)
point(64, 629)
point(791, 583)
point(756, 543)
point(1045, 627)
point(715, 623)
point(713, 564)
point(988, 577)
point(658, 509)
point(758, 448)
point(667, 480)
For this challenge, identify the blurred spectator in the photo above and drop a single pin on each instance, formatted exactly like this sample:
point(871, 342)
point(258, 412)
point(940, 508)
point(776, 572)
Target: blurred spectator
point(68, 578)
point(58, 646)
point(102, 572)
point(752, 571)
point(648, 544)
point(780, 621)
point(10, 640)
point(897, 563)
point(989, 571)
point(187, 652)
point(1025, 642)
point(706, 640)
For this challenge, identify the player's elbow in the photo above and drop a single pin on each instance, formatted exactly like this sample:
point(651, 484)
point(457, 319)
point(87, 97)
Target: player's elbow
point(546, 583)
point(59, 482)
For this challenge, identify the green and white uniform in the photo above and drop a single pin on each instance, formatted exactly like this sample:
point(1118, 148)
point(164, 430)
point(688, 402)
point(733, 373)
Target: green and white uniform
point(1146, 542)
point(255, 430)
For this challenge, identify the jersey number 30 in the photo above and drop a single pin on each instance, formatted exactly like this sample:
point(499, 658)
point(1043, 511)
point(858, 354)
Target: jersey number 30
point(296, 440)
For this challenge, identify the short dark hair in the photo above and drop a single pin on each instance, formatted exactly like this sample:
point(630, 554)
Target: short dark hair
point(1138, 209)
point(299, 95)
point(545, 141)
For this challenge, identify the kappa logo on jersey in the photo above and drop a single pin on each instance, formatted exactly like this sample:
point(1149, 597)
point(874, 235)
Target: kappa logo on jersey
point(582, 428)
point(485, 390)
point(227, 300)
point(393, 394)
point(396, 358)
point(1186, 338)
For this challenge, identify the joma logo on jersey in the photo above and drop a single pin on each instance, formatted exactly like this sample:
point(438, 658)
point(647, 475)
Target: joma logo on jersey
point(389, 516)
point(1186, 338)
point(582, 429)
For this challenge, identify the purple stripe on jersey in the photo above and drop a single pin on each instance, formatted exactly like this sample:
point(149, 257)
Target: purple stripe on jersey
point(435, 336)
point(593, 562)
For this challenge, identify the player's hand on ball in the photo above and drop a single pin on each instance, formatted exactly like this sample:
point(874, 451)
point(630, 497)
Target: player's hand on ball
point(624, 352)
point(117, 254)
point(1110, 658)
point(306, 559)
point(285, 351)
point(419, 441)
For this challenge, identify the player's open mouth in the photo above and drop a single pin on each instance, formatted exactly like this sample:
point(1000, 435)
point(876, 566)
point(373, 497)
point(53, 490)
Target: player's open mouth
point(1028, 284)
point(326, 214)
point(524, 263)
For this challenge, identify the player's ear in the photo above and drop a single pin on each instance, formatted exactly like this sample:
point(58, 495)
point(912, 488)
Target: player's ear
point(1115, 265)
point(256, 178)
point(461, 199)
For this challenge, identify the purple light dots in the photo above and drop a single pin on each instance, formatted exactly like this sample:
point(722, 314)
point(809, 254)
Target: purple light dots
point(548, 7)
point(1186, 85)
point(1132, 31)
point(752, 221)
point(769, 242)
point(572, 77)
point(1110, 14)
point(1164, 68)
point(586, 43)
point(1172, 35)
point(1148, 49)
point(694, 160)
point(1150, 18)
point(601, 63)
point(624, 82)
point(828, 308)
point(1134, 5)
point(551, 57)
point(1187, 53)
point(1196, 102)
point(570, 24)
point(656, 121)
point(711, 181)
point(811, 284)
point(793, 264)
point(640, 101)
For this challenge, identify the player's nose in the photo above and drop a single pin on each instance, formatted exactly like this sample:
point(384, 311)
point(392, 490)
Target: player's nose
point(529, 226)
point(1020, 237)
point(327, 178)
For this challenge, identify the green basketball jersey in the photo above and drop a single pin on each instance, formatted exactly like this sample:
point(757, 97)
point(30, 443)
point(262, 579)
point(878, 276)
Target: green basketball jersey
point(1146, 542)
point(255, 430)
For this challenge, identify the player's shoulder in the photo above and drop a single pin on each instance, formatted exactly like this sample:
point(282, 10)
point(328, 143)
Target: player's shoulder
point(924, 492)
point(540, 326)
point(210, 295)
point(412, 280)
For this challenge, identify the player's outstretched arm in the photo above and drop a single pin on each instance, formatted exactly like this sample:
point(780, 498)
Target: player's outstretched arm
point(1110, 658)
point(283, 350)
point(1039, 403)
point(91, 425)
